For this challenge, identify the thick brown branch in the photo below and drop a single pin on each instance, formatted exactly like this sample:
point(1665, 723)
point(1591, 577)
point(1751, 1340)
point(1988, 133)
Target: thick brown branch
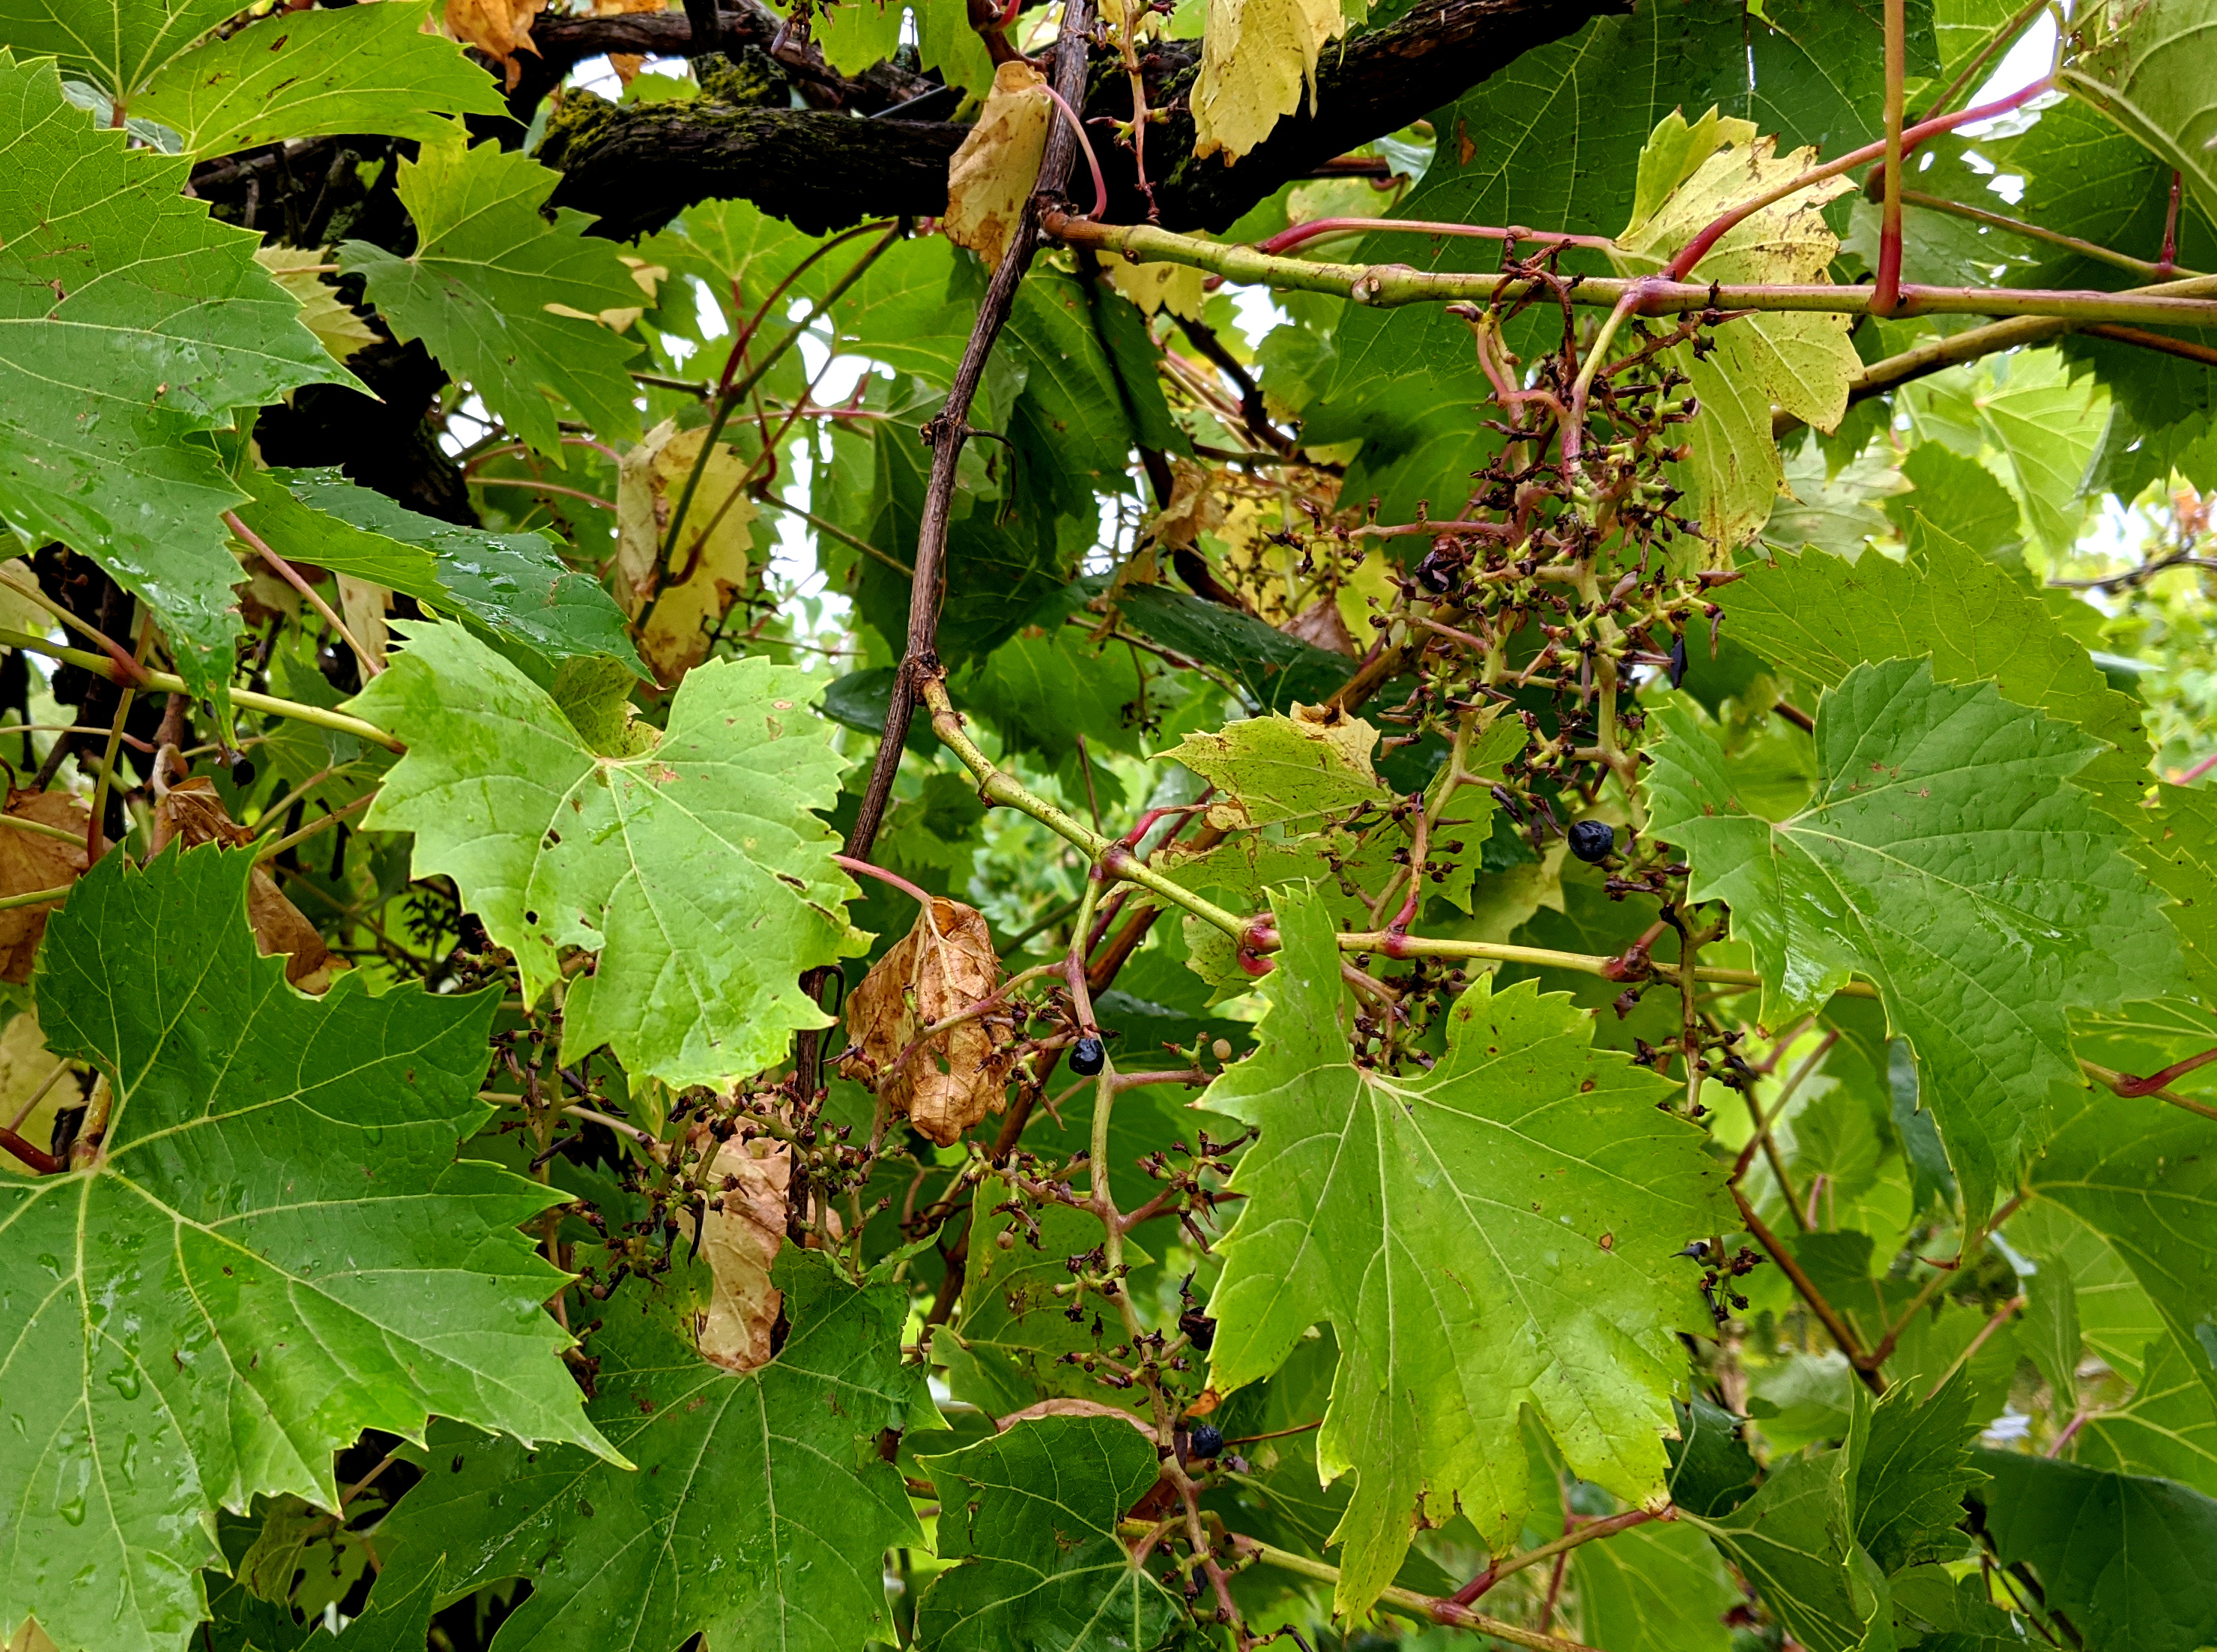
point(563, 43)
point(642, 165)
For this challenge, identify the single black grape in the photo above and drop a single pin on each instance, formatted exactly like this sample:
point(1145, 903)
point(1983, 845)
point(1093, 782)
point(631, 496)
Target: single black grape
point(1207, 1439)
point(1592, 840)
point(242, 773)
point(1087, 1058)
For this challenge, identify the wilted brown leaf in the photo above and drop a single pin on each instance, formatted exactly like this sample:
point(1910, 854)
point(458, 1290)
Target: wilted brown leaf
point(192, 812)
point(32, 861)
point(992, 174)
point(1320, 625)
point(941, 967)
point(1193, 507)
point(499, 28)
point(1069, 1406)
point(740, 1242)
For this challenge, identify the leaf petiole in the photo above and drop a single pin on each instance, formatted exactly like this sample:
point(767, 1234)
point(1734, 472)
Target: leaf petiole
point(103, 668)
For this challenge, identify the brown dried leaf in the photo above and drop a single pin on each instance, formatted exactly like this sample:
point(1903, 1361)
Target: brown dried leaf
point(741, 1241)
point(1193, 507)
point(992, 175)
point(191, 811)
point(31, 860)
point(499, 28)
point(941, 967)
point(1069, 1406)
point(1320, 625)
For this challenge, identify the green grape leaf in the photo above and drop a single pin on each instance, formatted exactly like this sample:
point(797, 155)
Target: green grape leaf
point(1072, 416)
point(2140, 1175)
point(276, 1248)
point(2180, 858)
point(2167, 1429)
point(1046, 685)
point(514, 585)
point(2046, 425)
point(1794, 1541)
point(694, 867)
point(1655, 1588)
point(2148, 69)
point(1712, 1470)
point(1911, 1472)
point(117, 44)
point(1940, 1613)
point(1945, 858)
point(2049, 1331)
point(307, 74)
point(1493, 1234)
point(1275, 671)
point(1961, 498)
point(135, 322)
point(1836, 513)
point(757, 1514)
point(2126, 1558)
point(1689, 174)
point(1273, 769)
point(1818, 616)
point(526, 311)
point(1029, 1518)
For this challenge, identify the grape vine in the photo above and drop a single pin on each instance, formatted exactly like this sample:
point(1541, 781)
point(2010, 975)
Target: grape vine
point(1098, 825)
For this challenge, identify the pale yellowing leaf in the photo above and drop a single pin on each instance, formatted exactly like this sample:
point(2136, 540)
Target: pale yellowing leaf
point(992, 174)
point(1256, 58)
point(1279, 768)
point(707, 569)
point(300, 271)
point(1691, 174)
point(1156, 288)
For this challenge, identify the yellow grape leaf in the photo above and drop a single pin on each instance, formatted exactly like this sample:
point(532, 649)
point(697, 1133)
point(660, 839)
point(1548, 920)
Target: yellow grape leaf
point(707, 567)
point(300, 271)
point(992, 174)
point(1691, 174)
point(1274, 768)
point(1155, 288)
point(1256, 57)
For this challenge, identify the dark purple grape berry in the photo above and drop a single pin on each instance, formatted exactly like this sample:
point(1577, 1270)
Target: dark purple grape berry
point(1087, 1058)
point(242, 773)
point(1207, 1439)
point(1592, 840)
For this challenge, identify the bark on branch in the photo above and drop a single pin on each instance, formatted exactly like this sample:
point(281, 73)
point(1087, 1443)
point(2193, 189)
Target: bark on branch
point(637, 168)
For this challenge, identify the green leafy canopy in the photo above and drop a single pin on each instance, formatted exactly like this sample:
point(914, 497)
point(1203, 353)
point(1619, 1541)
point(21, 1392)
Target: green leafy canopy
point(1537, 965)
